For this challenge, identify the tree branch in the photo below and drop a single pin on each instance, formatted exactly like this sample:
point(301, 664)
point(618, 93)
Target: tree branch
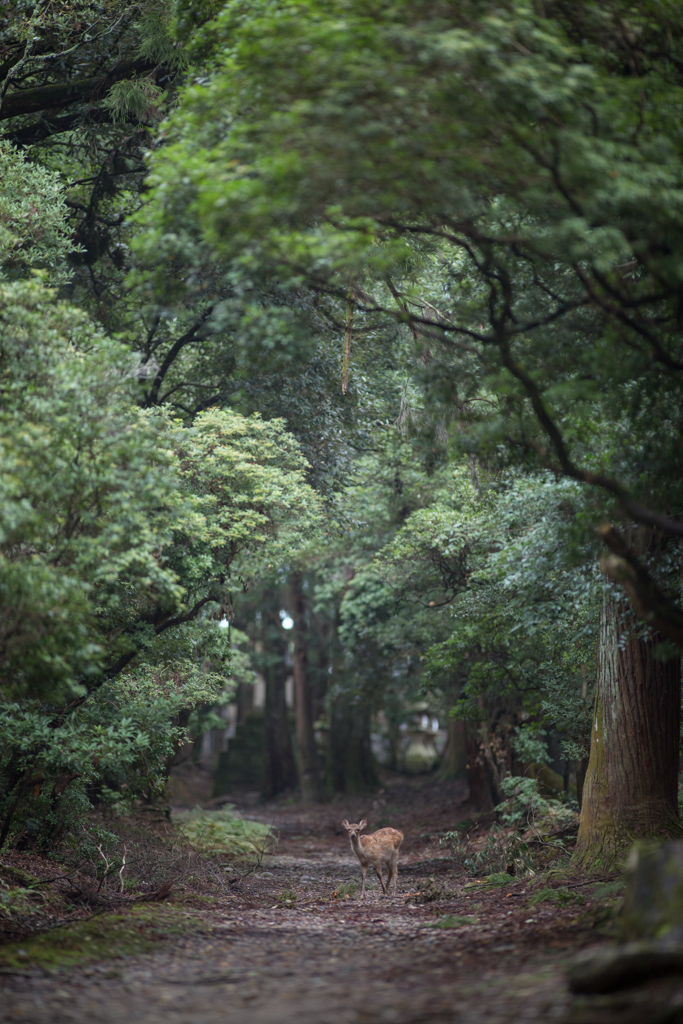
point(648, 602)
point(176, 347)
point(49, 126)
point(63, 94)
point(635, 510)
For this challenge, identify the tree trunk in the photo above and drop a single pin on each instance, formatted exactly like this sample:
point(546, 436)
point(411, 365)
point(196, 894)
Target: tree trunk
point(631, 785)
point(310, 774)
point(581, 767)
point(280, 765)
point(455, 761)
point(478, 774)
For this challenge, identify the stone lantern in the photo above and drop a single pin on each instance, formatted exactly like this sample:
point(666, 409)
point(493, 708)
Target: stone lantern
point(421, 755)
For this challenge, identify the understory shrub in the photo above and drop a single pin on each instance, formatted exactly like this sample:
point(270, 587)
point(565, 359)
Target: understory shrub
point(225, 833)
point(537, 838)
point(502, 852)
point(526, 807)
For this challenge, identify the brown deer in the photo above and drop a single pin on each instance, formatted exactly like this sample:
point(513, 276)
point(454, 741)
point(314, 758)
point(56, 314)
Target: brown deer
point(378, 848)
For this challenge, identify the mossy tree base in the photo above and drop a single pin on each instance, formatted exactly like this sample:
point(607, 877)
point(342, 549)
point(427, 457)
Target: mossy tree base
point(631, 787)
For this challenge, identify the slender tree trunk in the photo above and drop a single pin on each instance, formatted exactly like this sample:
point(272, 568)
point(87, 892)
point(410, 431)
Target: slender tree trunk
point(631, 784)
point(352, 764)
point(310, 774)
point(455, 766)
point(280, 765)
point(496, 772)
point(478, 775)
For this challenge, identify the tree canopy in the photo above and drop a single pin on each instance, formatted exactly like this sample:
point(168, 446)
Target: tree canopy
point(369, 314)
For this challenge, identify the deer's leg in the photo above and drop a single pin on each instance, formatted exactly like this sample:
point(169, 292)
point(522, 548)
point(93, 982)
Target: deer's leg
point(378, 870)
point(364, 869)
point(395, 866)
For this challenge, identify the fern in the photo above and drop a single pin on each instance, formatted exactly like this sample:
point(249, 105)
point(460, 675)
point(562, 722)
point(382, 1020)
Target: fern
point(135, 97)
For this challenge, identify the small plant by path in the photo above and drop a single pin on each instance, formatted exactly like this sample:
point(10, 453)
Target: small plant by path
point(345, 891)
point(288, 898)
point(560, 896)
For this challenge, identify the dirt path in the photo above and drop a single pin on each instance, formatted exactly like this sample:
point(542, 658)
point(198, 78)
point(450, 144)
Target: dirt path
point(283, 948)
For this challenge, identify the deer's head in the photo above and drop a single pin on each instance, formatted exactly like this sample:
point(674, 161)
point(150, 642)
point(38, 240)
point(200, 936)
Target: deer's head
point(354, 830)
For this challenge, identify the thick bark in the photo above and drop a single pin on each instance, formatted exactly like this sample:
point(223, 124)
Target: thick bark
point(630, 790)
point(280, 765)
point(581, 767)
point(310, 774)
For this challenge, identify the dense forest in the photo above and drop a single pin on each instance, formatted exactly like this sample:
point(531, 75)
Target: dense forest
point(341, 347)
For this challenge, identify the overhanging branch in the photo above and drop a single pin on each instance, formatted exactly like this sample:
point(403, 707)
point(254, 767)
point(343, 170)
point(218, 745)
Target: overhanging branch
point(651, 605)
point(64, 94)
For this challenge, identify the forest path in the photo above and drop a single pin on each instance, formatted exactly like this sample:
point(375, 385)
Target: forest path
point(257, 960)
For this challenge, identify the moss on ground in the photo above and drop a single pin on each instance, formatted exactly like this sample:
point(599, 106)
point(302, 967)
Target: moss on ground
point(453, 921)
point(101, 937)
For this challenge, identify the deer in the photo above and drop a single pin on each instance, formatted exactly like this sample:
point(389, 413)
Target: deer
point(378, 848)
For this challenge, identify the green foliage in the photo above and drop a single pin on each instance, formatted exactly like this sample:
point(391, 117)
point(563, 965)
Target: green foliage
point(248, 477)
point(499, 878)
point(346, 890)
point(156, 37)
point(604, 890)
point(288, 898)
point(34, 234)
point(102, 936)
point(502, 854)
point(495, 181)
point(88, 496)
point(525, 806)
point(514, 594)
point(137, 97)
point(226, 834)
point(109, 512)
point(119, 530)
point(116, 748)
point(453, 921)
point(529, 746)
point(483, 204)
point(560, 897)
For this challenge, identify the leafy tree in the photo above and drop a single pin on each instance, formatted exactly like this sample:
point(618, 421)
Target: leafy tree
point(117, 747)
point(33, 229)
point(117, 526)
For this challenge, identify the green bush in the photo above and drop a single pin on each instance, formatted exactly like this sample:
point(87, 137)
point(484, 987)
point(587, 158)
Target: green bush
point(225, 833)
point(559, 897)
point(502, 852)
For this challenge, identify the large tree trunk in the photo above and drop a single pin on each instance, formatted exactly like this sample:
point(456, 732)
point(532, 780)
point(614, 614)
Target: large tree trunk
point(280, 765)
point(310, 774)
point(631, 785)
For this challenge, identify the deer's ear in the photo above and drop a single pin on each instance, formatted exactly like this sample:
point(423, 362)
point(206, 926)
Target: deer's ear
point(363, 824)
point(345, 824)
